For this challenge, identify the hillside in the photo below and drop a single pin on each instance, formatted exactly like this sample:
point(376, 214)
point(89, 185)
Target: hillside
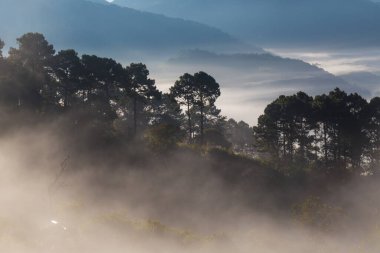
point(366, 80)
point(266, 70)
point(106, 29)
point(250, 81)
point(322, 23)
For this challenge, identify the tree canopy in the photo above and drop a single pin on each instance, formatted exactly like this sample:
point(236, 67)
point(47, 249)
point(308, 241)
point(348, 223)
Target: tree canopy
point(197, 93)
point(1, 48)
point(101, 92)
point(335, 134)
point(335, 131)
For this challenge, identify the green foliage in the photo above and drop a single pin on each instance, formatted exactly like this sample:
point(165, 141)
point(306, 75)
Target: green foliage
point(33, 60)
point(163, 137)
point(1, 48)
point(68, 70)
point(338, 130)
point(213, 137)
point(197, 93)
point(372, 151)
point(103, 99)
point(142, 90)
point(34, 52)
point(182, 91)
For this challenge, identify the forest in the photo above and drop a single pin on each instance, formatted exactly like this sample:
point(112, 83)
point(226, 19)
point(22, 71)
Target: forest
point(336, 133)
point(300, 160)
point(116, 100)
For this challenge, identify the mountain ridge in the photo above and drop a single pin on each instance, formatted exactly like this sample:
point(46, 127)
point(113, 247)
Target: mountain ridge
point(107, 29)
point(250, 81)
point(323, 23)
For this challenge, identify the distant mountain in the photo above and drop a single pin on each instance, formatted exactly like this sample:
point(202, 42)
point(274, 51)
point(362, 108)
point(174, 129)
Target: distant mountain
point(273, 23)
point(250, 81)
point(107, 29)
point(266, 70)
point(365, 80)
point(99, 1)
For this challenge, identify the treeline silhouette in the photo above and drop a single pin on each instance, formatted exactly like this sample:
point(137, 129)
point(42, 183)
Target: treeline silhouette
point(335, 134)
point(112, 118)
point(111, 99)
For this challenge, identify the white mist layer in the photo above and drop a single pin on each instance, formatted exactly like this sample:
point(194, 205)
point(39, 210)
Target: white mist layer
point(44, 210)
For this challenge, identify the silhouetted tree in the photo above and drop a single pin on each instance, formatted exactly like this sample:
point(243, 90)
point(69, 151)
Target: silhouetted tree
point(163, 137)
point(198, 94)
point(335, 128)
point(167, 111)
point(183, 92)
point(354, 132)
point(300, 106)
point(373, 134)
point(101, 76)
point(1, 48)
point(321, 106)
point(206, 91)
point(338, 132)
point(342, 120)
point(142, 90)
point(216, 138)
point(287, 119)
point(34, 55)
point(68, 71)
point(267, 133)
point(213, 118)
point(240, 134)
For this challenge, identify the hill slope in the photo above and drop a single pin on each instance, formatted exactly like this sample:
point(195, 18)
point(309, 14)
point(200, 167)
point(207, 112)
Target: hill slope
point(106, 29)
point(250, 81)
point(266, 71)
point(348, 23)
point(365, 80)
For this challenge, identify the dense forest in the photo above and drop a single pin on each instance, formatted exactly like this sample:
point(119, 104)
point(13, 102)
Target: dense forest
point(113, 99)
point(300, 161)
point(337, 133)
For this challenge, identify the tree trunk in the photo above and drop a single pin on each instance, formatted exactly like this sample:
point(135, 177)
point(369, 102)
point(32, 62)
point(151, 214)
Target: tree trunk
point(189, 122)
point(325, 141)
point(202, 124)
point(107, 93)
point(65, 103)
point(283, 141)
point(135, 116)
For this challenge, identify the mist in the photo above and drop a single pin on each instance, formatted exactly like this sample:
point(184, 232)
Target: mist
point(250, 81)
point(55, 200)
point(162, 134)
